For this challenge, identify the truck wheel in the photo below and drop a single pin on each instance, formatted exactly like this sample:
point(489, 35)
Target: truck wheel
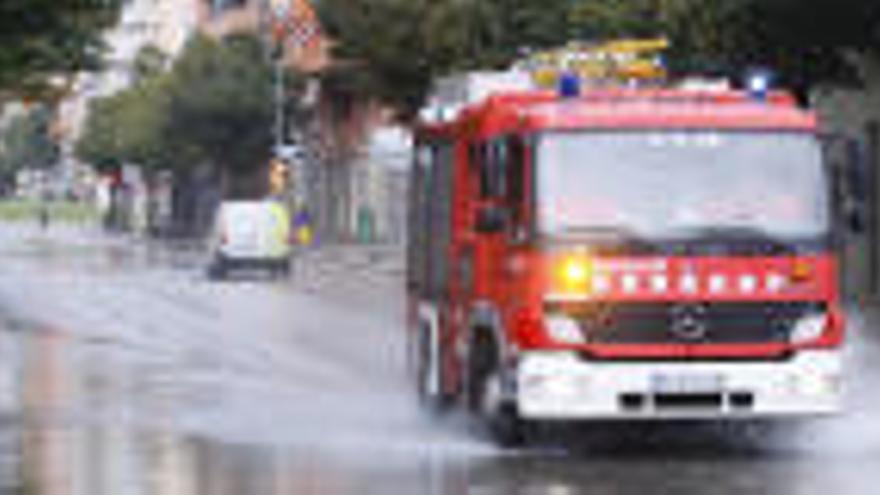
point(497, 417)
point(217, 270)
point(506, 428)
point(431, 395)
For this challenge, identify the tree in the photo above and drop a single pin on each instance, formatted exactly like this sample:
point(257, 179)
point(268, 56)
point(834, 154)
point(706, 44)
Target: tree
point(45, 39)
point(214, 105)
point(393, 49)
point(27, 144)
point(100, 144)
point(149, 62)
point(220, 103)
point(806, 41)
point(128, 127)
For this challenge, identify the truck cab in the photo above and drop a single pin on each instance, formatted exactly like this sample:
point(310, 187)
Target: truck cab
point(625, 253)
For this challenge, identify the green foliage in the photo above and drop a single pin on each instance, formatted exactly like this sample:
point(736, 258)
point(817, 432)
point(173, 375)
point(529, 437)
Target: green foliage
point(394, 48)
point(61, 211)
point(220, 102)
point(149, 62)
point(610, 19)
point(99, 144)
point(213, 106)
point(127, 128)
point(42, 39)
point(806, 41)
point(26, 143)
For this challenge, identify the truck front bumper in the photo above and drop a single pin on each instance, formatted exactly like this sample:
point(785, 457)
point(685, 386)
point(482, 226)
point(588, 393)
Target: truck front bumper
point(559, 385)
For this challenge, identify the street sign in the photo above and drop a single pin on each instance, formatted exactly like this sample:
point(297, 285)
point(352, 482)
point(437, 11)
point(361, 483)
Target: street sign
point(289, 152)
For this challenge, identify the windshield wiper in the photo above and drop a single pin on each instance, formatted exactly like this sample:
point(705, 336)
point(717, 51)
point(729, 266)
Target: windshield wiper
point(602, 231)
point(706, 240)
point(610, 237)
point(768, 242)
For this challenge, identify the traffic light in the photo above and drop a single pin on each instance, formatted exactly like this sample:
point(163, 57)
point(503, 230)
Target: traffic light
point(279, 176)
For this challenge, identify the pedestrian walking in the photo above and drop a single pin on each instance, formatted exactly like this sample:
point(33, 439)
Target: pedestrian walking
point(44, 216)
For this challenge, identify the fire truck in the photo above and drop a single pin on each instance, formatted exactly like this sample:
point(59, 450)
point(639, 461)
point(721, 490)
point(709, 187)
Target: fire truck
point(611, 249)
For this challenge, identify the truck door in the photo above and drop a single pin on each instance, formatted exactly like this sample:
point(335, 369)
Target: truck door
point(518, 232)
point(502, 222)
point(439, 245)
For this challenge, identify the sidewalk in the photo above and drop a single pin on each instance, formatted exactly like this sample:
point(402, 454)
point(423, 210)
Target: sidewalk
point(16, 235)
point(385, 259)
point(333, 265)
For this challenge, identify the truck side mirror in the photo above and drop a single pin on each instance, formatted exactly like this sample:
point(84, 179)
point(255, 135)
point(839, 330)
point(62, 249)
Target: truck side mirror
point(855, 220)
point(491, 220)
point(855, 169)
point(856, 179)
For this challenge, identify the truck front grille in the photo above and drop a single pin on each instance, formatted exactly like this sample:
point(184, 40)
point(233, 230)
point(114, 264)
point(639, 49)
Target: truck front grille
point(687, 323)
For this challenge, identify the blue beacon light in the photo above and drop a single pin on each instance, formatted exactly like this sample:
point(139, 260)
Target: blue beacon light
point(569, 85)
point(758, 84)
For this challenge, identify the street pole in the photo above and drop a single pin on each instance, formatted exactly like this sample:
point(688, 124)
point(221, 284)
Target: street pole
point(281, 18)
point(279, 103)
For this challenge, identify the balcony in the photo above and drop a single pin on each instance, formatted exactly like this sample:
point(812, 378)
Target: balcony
point(225, 17)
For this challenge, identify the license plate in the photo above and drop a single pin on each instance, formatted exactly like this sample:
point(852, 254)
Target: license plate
point(686, 383)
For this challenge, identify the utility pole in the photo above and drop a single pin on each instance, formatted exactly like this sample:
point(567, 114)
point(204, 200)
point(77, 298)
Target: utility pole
point(290, 28)
point(279, 11)
point(293, 24)
point(280, 100)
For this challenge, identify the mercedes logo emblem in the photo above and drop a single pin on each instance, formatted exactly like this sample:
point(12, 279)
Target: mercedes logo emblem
point(689, 322)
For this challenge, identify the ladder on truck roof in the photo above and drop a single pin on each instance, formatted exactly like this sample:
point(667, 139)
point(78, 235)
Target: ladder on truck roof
point(613, 63)
point(606, 65)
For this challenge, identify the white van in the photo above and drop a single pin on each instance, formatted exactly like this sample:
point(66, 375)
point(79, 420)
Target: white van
point(250, 234)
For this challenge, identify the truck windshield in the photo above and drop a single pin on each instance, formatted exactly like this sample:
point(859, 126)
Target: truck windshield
point(678, 184)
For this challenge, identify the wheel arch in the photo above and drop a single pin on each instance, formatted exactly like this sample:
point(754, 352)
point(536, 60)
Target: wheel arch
point(485, 320)
point(428, 326)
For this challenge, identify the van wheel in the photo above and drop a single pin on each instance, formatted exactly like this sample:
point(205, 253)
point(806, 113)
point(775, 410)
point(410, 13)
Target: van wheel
point(283, 269)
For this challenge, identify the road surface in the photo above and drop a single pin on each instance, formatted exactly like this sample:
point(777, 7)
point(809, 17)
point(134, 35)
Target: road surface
point(122, 370)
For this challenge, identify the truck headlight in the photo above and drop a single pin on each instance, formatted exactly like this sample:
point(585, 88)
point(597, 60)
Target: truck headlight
point(563, 329)
point(808, 328)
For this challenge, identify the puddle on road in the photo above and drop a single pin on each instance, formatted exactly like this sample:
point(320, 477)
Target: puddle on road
point(90, 417)
point(107, 254)
point(91, 425)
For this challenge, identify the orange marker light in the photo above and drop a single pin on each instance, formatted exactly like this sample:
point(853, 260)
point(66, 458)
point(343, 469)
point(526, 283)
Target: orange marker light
point(801, 271)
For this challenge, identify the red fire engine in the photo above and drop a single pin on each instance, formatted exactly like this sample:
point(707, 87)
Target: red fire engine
point(621, 253)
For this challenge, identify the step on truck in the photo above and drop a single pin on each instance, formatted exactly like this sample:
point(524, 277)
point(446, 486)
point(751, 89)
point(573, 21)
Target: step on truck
point(607, 250)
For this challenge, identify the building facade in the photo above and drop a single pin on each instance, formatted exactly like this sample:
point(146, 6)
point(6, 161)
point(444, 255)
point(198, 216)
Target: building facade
point(163, 24)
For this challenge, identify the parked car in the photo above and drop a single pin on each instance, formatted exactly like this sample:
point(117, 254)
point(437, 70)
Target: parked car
point(250, 235)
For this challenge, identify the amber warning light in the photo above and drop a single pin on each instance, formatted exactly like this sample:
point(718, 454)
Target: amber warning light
point(572, 274)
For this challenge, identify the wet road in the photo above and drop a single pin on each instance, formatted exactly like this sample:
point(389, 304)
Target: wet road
point(123, 371)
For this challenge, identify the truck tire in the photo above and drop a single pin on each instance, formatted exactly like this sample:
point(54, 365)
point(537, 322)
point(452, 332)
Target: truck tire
point(496, 417)
point(507, 429)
